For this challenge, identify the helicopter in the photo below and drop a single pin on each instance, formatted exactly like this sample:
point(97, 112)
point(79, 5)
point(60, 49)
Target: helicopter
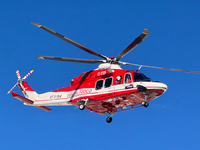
point(107, 89)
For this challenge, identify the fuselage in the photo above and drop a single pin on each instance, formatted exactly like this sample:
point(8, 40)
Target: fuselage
point(104, 90)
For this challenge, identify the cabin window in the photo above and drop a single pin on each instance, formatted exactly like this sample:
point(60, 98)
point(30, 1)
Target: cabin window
point(99, 84)
point(128, 78)
point(108, 82)
point(140, 77)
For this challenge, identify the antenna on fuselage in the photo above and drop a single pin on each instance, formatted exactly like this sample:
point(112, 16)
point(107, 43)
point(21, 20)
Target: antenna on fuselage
point(139, 68)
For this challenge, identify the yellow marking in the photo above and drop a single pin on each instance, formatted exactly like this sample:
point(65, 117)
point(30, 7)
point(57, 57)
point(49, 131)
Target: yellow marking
point(146, 31)
point(40, 57)
point(36, 24)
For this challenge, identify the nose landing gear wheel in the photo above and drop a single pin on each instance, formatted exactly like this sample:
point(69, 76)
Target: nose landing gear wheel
point(109, 119)
point(81, 107)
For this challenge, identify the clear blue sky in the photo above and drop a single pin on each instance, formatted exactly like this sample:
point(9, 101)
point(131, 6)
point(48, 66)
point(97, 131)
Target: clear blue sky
point(170, 122)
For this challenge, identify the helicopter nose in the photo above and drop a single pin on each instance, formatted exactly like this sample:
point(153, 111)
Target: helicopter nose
point(164, 86)
point(161, 86)
point(153, 86)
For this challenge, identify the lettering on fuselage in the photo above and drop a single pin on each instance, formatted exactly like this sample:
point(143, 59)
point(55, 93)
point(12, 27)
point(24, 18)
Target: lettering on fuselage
point(55, 96)
point(130, 86)
point(79, 93)
point(101, 73)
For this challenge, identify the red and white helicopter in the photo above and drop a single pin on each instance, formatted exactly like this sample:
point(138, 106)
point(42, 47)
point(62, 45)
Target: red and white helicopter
point(105, 90)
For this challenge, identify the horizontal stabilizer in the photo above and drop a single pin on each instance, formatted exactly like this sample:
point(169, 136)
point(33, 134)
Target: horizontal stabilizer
point(44, 108)
point(28, 101)
point(21, 98)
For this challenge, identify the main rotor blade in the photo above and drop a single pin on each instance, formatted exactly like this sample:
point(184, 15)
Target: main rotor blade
point(137, 41)
point(71, 59)
point(70, 41)
point(124, 63)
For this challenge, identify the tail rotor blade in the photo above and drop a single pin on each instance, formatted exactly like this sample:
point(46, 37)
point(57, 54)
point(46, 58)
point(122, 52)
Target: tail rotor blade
point(21, 85)
point(18, 75)
point(12, 88)
point(27, 74)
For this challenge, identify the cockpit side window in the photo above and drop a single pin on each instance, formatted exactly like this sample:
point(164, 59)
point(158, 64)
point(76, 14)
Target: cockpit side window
point(140, 77)
point(99, 84)
point(128, 78)
point(118, 80)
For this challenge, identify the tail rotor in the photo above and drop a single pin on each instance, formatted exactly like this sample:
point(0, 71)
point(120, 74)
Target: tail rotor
point(20, 80)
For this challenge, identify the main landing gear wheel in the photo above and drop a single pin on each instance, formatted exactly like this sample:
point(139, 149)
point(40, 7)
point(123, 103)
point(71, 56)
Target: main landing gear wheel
point(81, 107)
point(145, 104)
point(109, 119)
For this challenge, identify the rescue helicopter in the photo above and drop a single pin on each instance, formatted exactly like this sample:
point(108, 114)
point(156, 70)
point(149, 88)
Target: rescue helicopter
point(106, 90)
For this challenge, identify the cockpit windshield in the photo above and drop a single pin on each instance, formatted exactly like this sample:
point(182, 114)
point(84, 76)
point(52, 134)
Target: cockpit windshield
point(140, 77)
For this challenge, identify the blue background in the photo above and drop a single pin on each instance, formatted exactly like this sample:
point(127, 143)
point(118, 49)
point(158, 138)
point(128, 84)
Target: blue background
point(107, 27)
